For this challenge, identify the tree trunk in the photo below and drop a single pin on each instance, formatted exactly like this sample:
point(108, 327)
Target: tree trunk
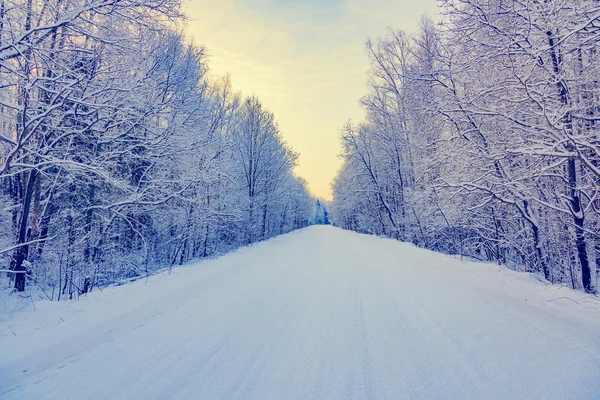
point(578, 219)
point(22, 251)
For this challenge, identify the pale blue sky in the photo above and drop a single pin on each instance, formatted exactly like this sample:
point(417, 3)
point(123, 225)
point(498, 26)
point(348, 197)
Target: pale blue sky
point(304, 59)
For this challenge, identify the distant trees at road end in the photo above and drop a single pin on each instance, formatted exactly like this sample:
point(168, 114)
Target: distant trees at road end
point(321, 213)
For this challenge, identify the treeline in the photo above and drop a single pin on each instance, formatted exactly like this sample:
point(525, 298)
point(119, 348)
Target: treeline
point(118, 155)
point(482, 137)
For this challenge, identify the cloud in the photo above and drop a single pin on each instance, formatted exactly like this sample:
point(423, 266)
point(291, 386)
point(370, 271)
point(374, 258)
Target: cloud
point(304, 59)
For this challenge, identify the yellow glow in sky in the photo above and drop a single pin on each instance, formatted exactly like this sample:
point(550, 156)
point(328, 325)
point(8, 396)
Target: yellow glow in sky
point(305, 60)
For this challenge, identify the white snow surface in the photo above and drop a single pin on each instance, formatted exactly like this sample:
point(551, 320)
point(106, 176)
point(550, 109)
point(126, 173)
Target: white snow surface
point(320, 313)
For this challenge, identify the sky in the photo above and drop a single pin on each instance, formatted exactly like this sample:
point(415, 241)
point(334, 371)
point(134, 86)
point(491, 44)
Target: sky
point(305, 61)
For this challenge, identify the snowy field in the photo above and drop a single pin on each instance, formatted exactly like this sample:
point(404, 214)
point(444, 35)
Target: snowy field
point(320, 313)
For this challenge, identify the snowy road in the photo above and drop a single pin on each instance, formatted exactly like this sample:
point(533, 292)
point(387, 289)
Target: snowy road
point(316, 314)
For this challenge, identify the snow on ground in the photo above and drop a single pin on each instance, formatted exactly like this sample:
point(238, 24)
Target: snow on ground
point(316, 314)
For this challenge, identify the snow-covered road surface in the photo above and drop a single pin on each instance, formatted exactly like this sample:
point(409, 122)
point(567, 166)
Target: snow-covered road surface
point(317, 314)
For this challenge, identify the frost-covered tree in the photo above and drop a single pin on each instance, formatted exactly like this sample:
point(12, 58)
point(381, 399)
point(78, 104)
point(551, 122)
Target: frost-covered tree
point(265, 163)
point(117, 154)
point(492, 118)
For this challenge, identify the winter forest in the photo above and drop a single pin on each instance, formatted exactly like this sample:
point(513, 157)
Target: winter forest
point(482, 138)
point(119, 156)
